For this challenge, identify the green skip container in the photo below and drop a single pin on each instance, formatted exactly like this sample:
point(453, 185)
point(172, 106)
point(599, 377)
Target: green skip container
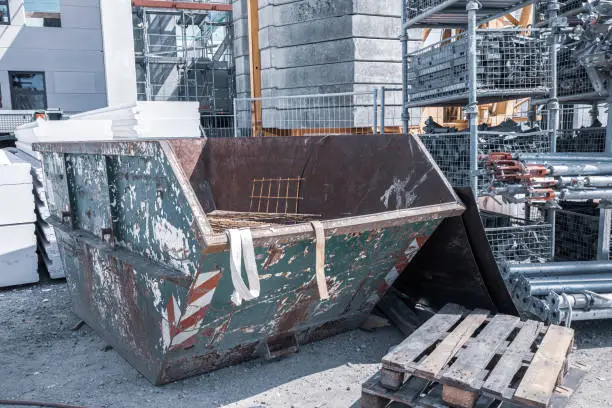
point(143, 225)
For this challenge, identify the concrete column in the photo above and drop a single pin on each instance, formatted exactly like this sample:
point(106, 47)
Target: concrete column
point(119, 61)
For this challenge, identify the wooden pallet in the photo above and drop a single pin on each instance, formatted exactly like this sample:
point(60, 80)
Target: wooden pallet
point(420, 393)
point(472, 354)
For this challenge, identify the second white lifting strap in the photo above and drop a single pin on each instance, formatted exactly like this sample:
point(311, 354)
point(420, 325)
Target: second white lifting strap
point(241, 247)
point(320, 259)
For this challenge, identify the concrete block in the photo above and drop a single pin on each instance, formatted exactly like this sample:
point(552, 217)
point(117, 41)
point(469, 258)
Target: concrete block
point(243, 84)
point(18, 259)
point(312, 32)
point(330, 74)
point(287, 13)
point(241, 46)
point(392, 8)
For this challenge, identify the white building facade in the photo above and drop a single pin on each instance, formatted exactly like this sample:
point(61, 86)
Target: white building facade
point(52, 55)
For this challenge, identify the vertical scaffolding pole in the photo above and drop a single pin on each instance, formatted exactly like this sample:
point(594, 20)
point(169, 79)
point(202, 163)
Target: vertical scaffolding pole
point(553, 103)
point(147, 52)
point(472, 108)
point(375, 111)
point(382, 109)
point(404, 40)
point(605, 211)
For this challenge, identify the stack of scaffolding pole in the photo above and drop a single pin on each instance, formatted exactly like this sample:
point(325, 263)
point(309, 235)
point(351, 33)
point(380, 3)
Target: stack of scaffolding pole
point(562, 292)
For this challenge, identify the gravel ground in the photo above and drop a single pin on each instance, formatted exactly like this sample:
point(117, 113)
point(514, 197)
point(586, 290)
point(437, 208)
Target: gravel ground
point(42, 359)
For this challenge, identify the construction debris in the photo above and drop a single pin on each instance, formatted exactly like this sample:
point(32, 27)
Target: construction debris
point(466, 358)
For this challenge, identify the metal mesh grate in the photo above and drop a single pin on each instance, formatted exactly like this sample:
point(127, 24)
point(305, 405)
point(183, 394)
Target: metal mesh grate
point(276, 195)
point(518, 240)
point(307, 115)
point(510, 63)
point(11, 120)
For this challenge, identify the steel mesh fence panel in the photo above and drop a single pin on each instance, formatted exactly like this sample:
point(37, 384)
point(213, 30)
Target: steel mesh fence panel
point(11, 120)
point(390, 117)
point(510, 63)
point(307, 115)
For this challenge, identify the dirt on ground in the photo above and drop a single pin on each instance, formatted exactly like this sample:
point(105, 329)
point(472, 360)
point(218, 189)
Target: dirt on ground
point(42, 359)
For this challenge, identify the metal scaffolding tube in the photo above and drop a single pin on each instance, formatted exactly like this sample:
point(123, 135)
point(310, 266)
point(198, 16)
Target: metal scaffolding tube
point(559, 268)
point(570, 288)
point(472, 108)
point(584, 195)
point(580, 168)
point(405, 97)
point(596, 277)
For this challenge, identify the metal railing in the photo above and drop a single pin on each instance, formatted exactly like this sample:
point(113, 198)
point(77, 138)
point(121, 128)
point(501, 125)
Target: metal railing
point(307, 115)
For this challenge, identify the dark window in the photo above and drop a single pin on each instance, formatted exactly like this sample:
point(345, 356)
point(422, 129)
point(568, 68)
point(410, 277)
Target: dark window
point(42, 13)
point(5, 17)
point(28, 90)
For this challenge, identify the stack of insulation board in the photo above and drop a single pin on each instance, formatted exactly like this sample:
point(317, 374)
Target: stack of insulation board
point(18, 258)
point(130, 121)
point(48, 250)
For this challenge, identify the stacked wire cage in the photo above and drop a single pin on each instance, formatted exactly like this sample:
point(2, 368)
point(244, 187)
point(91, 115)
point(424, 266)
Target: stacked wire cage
point(480, 66)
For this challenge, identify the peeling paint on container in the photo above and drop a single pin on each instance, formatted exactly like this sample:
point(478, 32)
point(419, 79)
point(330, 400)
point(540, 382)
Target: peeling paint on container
point(149, 273)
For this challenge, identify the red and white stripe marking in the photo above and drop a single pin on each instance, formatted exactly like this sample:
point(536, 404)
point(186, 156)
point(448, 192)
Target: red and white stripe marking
point(399, 267)
point(180, 331)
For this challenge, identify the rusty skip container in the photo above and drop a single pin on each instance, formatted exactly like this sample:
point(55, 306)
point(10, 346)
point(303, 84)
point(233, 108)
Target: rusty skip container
point(141, 228)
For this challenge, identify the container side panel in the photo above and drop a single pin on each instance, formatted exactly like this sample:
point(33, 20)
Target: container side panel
point(151, 216)
point(359, 269)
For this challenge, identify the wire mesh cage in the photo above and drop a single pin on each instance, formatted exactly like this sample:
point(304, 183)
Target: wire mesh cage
point(307, 115)
point(582, 128)
point(518, 240)
point(576, 235)
point(452, 151)
point(510, 63)
point(573, 80)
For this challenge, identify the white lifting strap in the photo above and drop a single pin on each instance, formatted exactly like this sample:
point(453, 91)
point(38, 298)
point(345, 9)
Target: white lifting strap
point(241, 246)
point(320, 259)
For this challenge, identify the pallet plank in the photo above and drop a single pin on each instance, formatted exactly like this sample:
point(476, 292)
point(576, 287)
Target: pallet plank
point(444, 352)
point(502, 374)
point(471, 362)
point(539, 382)
point(423, 337)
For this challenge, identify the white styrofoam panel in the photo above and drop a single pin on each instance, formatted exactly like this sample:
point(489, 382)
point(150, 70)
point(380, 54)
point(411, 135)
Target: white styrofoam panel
point(18, 258)
point(13, 170)
point(16, 204)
